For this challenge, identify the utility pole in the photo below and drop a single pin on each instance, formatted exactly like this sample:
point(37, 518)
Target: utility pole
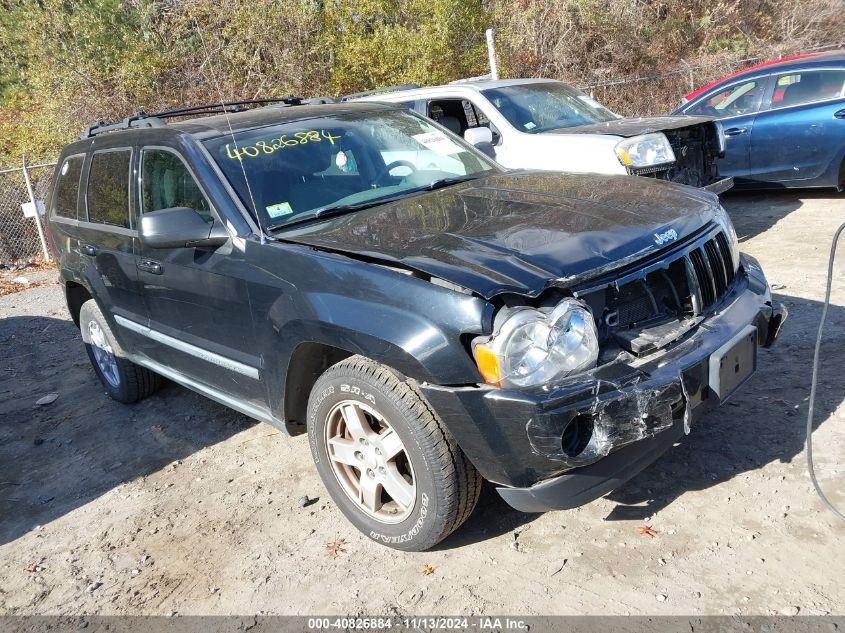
point(491, 53)
point(36, 210)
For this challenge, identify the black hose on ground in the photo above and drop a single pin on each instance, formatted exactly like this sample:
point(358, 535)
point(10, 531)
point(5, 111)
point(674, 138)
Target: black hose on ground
point(810, 467)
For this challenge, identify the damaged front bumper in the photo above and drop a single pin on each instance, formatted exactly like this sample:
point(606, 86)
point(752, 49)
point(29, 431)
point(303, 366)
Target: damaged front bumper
point(563, 445)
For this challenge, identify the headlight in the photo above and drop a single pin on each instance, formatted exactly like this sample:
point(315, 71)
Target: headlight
point(647, 150)
point(724, 220)
point(534, 347)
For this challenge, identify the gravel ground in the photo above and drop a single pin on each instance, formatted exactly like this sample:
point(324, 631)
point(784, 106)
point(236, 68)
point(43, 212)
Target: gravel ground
point(178, 505)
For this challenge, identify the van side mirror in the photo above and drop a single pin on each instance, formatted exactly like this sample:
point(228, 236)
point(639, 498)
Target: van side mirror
point(180, 227)
point(482, 139)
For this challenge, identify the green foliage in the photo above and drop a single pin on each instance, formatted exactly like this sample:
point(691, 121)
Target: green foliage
point(67, 63)
point(373, 43)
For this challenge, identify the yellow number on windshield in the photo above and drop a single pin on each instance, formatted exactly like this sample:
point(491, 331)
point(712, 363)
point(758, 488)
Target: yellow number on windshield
point(270, 146)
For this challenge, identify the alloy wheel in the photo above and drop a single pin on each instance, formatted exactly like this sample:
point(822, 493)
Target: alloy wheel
point(103, 354)
point(370, 462)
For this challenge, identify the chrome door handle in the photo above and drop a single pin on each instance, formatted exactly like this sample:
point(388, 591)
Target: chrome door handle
point(839, 114)
point(88, 249)
point(150, 266)
point(735, 131)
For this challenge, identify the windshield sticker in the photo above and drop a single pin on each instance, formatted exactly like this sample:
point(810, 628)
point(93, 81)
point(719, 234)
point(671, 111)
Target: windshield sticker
point(270, 146)
point(530, 125)
point(438, 143)
point(279, 210)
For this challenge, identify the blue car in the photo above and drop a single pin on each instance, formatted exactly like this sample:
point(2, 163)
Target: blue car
point(784, 122)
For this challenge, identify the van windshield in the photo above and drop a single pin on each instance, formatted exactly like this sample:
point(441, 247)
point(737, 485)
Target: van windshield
point(312, 168)
point(534, 108)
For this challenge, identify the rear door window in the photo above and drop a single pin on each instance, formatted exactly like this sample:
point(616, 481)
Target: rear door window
point(67, 188)
point(108, 188)
point(807, 87)
point(167, 182)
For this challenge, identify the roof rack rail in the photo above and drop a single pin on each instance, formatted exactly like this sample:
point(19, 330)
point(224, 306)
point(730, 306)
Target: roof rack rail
point(136, 120)
point(143, 120)
point(378, 91)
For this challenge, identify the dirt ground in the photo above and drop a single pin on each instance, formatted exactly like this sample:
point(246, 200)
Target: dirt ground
point(178, 505)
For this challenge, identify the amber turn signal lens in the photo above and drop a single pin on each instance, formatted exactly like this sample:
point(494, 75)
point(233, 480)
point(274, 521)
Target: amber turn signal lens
point(488, 365)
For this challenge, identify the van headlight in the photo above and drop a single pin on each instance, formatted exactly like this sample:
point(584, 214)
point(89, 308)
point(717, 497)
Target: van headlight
point(724, 221)
point(646, 150)
point(533, 347)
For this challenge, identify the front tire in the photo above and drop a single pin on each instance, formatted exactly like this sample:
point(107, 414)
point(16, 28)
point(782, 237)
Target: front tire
point(387, 460)
point(124, 380)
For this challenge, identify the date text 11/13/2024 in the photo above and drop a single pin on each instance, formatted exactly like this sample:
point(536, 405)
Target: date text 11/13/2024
point(478, 623)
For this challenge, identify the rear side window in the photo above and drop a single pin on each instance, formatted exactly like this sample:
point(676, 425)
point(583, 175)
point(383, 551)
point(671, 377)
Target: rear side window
point(807, 87)
point(108, 188)
point(67, 188)
point(167, 183)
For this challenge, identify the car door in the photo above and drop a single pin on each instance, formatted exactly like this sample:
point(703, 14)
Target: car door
point(105, 237)
point(736, 106)
point(800, 128)
point(65, 212)
point(200, 325)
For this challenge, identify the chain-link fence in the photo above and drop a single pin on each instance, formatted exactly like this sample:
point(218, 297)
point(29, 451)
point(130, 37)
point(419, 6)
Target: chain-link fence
point(662, 93)
point(20, 237)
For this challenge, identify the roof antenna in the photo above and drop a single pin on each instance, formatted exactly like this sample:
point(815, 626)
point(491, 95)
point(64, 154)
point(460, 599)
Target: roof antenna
point(231, 133)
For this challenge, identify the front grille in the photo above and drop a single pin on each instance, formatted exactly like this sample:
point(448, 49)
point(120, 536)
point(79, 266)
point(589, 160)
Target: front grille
point(680, 291)
point(710, 272)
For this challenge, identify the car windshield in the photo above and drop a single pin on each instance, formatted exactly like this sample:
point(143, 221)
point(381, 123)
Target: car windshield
point(316, 167)
point(534, 108)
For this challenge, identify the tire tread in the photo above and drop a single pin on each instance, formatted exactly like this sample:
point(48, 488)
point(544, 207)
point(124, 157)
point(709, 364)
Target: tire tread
point(455, 476)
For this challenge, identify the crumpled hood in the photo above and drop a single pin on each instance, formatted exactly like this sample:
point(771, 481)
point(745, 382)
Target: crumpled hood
point(518, 232)
point(633, 127)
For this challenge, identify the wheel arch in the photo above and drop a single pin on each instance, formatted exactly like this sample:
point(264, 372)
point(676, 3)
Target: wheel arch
point(834, 173)
point(311, 357)
point(307, 334)
point(309, 360)
point(75, 295)
point(841, 180)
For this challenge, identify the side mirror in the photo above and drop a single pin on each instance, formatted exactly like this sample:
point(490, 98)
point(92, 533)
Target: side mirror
point(482, 139)
point(180, 227)
point(477, 135)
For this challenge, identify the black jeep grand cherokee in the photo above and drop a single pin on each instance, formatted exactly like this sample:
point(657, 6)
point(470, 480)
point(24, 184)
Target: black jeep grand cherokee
point(361, 273)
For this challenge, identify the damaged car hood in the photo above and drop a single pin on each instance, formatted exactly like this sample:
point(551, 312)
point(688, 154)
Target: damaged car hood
point(518, 232)
point(633, 127)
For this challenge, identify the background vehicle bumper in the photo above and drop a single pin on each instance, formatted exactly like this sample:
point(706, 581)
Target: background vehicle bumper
point(630, 413)
point(720, 186)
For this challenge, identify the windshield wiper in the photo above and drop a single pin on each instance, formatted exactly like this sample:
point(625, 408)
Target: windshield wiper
point(328, 212)
point(447, 182)
point(340, 209)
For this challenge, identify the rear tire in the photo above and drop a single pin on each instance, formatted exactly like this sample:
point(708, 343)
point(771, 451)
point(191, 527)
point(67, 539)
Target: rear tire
point(387, 460)
point(124, 380)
